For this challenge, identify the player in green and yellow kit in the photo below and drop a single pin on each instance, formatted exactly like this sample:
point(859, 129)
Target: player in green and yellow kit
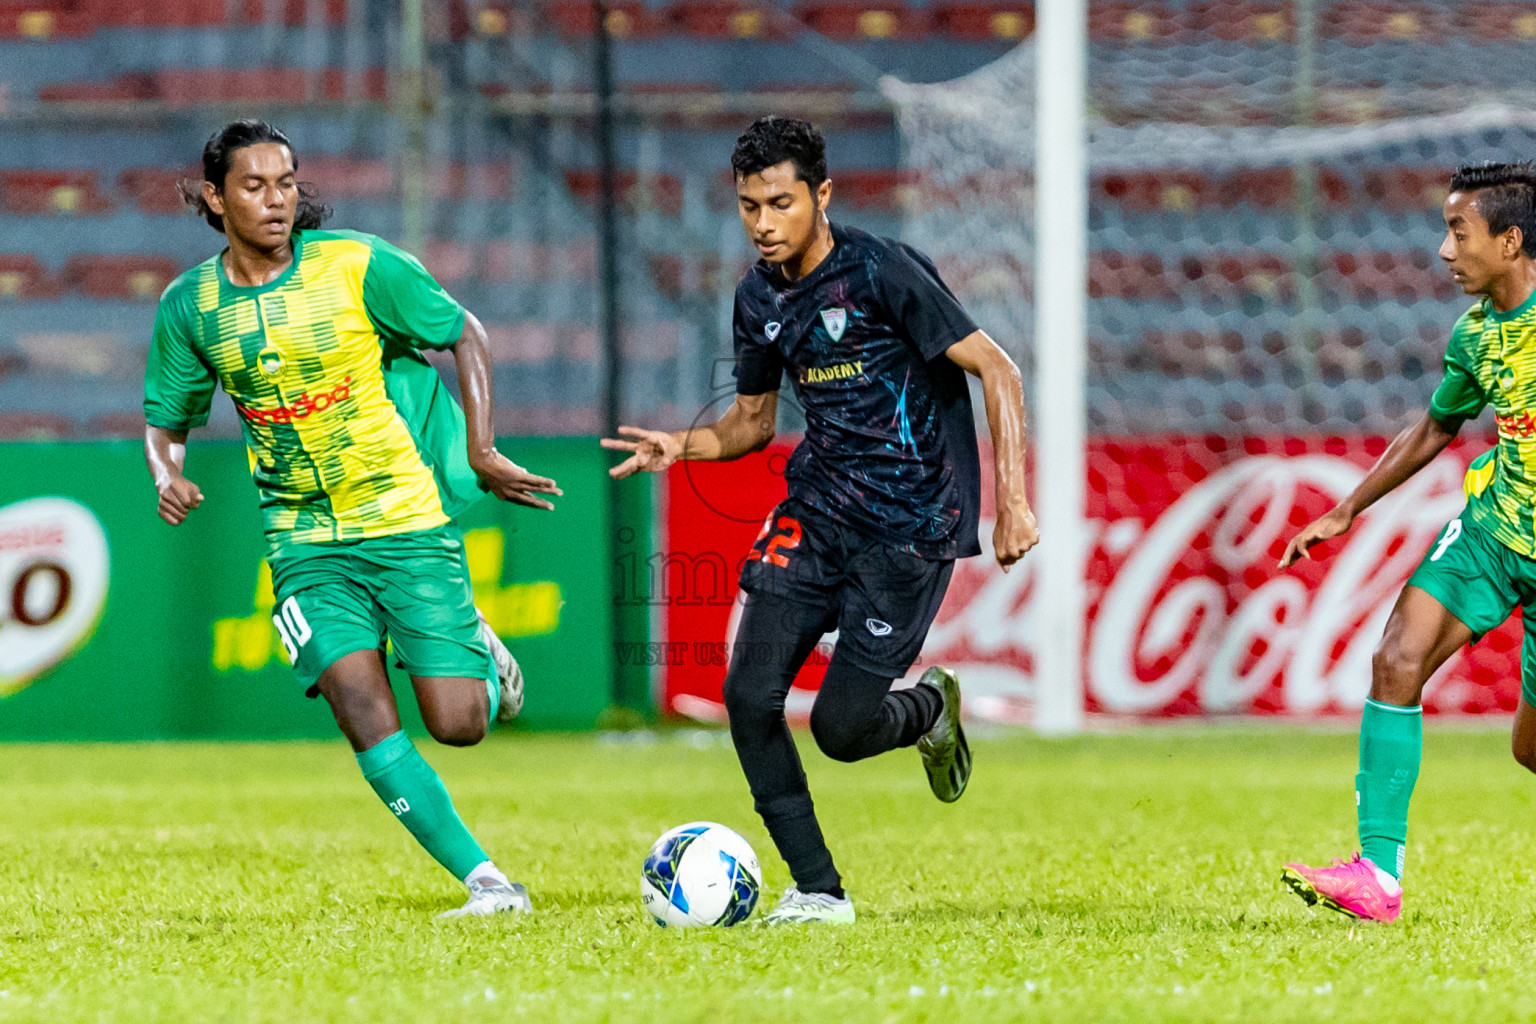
point(1483, 563)
point(361, 459)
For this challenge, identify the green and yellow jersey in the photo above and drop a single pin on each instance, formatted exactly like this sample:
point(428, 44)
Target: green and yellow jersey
point(1491, 360)
point(351, 431)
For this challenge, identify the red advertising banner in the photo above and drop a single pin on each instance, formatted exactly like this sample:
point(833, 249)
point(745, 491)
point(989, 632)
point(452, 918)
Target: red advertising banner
point(1187, 616)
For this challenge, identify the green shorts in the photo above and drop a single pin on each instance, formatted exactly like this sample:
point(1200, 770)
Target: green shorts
point(1480, 581)
point(411, 589)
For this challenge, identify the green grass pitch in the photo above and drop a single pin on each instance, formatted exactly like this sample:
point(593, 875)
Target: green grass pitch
point(1109, 878)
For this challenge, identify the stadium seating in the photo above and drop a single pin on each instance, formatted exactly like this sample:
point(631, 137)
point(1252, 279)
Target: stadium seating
point(23, 278)
point(132, 277)
point(51, 192)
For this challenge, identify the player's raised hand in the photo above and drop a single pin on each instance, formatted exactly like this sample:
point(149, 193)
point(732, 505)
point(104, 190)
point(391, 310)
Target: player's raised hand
point(651, 451)
point(1014, 534)
point(1334, 524)
point(511, 482)
point(178, 496)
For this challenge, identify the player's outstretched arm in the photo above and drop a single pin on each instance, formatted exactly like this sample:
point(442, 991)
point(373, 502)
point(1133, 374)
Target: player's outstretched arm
point(505, 478)
point(747, 426)
point(1003, 388)
point(1408, 453)
point(166, 452)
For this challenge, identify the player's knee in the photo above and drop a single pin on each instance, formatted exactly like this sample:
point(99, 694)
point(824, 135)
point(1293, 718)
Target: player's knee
point(462, 729)
point(1524, 749)
point(835, 737)
point(749, 699)
point(1396, 671)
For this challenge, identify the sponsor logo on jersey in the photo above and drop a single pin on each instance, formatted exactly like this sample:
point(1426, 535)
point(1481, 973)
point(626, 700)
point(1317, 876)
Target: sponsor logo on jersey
point(878, 628)
point(270, 362)
point(825, 374)
point(1519, 425)
point(305, 407)
point(835, 321)
point(772, 329)
point(54, 571)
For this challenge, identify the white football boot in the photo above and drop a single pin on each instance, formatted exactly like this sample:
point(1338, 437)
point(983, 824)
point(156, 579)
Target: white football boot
point(796, 907)
point(489, 896)
point(508, 672)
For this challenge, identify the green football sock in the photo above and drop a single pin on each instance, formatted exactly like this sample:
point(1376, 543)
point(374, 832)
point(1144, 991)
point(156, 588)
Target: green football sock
point(410, 788)
point(493, 693)
point(1391, 744)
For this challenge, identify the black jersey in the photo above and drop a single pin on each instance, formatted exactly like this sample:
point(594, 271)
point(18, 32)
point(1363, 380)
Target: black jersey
point(890, 443)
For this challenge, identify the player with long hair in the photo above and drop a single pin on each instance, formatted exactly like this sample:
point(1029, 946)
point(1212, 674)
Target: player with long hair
point(1483, 563)
point(361, 459)
point(884, 492)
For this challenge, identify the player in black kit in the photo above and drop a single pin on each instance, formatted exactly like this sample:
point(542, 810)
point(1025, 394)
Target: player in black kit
point(883, 492)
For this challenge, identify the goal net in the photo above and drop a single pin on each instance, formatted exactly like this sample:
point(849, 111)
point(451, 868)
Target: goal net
point(1266, 310)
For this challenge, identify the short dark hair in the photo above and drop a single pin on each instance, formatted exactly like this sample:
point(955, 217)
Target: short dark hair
point(1506, 196)
point(772, 140)
point(217, 153)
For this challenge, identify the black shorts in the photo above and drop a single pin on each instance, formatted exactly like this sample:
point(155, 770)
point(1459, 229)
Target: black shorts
point(881, 600)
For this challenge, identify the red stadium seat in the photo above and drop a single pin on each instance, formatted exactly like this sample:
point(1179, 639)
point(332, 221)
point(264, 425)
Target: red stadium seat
point(451, 262)
point(41, 20)
point(663, 192)
point(1248, 21)
point(1005, 21)
point(23, 278)
point(155, 189)
point(873, 189)
point(343, 176)
point(1496, 22)
point(136, 278)
point(33, 426)
point(365, 85)
point(1372, 21)
point(154, 13)
point(1136, 21)
point(123, 88)
point(727, 19)
point(296, 13)
point(851, 20)
point(122, 425)
point(181, 88)
point(577, 19)
point(58, 192)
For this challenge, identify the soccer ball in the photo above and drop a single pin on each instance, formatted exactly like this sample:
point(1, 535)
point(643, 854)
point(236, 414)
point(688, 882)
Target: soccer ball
point(700, 874)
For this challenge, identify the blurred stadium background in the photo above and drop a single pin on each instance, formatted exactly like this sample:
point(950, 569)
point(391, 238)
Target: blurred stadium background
point(1264, 306)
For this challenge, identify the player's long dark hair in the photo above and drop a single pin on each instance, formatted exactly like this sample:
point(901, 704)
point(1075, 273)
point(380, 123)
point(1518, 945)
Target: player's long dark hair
point(221, 147)
point(773, 139)
point(1506, 197)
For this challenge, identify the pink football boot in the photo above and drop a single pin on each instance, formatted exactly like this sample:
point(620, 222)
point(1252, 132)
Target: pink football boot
point(1351, 887)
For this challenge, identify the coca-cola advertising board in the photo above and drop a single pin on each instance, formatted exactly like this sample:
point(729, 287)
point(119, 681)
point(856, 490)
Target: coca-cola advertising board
point(1187, 613)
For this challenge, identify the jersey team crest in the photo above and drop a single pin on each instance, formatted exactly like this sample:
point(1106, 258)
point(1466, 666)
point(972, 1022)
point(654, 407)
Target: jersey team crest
point(835, 321)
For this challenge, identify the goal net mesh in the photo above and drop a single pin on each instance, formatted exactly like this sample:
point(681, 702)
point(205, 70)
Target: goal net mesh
point(1266, 308)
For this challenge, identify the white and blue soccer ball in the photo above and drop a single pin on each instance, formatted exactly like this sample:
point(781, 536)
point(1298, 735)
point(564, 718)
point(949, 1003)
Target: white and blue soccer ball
point(700, 874)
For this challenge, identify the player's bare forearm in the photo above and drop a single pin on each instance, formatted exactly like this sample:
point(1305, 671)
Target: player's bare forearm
point(1409, 452)
point(165, 451)
point(747, 426)
point(1002, 389)
point(472, 357)
point(503, 477)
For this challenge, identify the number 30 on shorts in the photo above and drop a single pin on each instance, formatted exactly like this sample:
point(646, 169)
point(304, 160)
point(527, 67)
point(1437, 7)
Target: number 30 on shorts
point(292, 628)
point(1452, 532)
